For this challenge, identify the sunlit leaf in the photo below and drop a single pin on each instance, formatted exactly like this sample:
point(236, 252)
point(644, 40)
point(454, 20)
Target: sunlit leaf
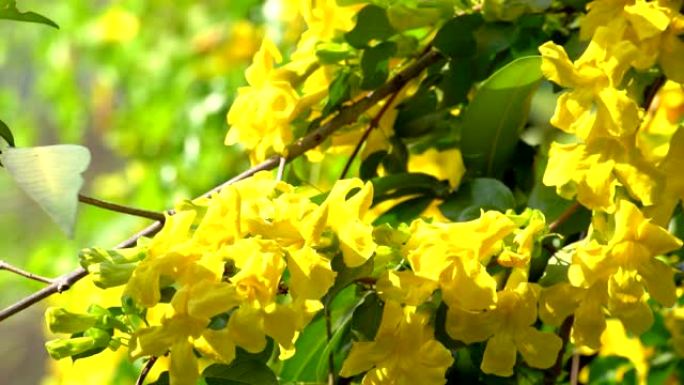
point(6, 134)
point(240, 372)
point(51, 176)
point(456, 38)
point(405, 211)
point(473, 196)
point(9, 11)
point(375, 64)
point(366, 318)
point(494, 119)
point(310, 362)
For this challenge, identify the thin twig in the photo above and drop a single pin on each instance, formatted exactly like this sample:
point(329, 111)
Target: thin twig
point(328, 333)
point(552, 374)
point(565, 215)
point(155, 216)
point(281, 168)
point(346, 115)
point(574, 369)
point(374, 123)
point(26, 274)
point(146, 370)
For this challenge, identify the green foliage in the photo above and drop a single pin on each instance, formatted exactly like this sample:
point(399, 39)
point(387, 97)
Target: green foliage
point(488, 139)
point(6, 134)
point(371, 24)
point(240, 372)
point(9, 11)
point(475, 195)
point(375, 64)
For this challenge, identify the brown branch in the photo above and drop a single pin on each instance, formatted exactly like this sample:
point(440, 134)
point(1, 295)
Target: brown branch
point(565, 215)
point(346, 115)
point(26, 274)
point(146, 370)
point(374, 123)
point(552, 374)
point(155, 216)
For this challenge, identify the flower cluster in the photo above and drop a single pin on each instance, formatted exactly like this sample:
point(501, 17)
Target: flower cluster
point(252, 261)
point(618, 152)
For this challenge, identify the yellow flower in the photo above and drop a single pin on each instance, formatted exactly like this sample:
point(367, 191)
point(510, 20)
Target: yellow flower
point(524, 240)
point(261, 113)
point(592, 172)
point(616, 342)
point(404, 351)
point(633, 244)
point(674, 322)
point(446, 165)
point(453, 254)
point(594, 108)
point(612, 272)
point(345, 215)
point(508, 329)
point(653, 26)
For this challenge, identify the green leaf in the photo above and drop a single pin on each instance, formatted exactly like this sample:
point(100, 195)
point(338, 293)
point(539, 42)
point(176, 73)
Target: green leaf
point(369, 166)
point(51, 176)
point(332, 53)
point(604, 370)
point(411, 119)
point(9, 11)
point(310, 362)
point(396, 160)
point(371, 23)
point(456, 37)
point(366, 318)
point(404, 212)
point(346, 275)
point(338, 91)
point(457, 82)
point(6, 134)
point(479, 193)
point(494, 119)
point(397, 185)
point(375, 64)
point(240, 372)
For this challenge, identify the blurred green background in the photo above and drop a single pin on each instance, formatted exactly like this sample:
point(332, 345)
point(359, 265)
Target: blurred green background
point(145, 85)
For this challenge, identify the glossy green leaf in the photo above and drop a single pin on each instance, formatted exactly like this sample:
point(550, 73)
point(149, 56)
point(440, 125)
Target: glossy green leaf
point(495, 117)
point(405, 211)
point(332, 53)
point(371, 23)
point(366, 318)
point(369, 166)
point(9, 11)
point(346, 275)
point(605, 370)
point(51, 176)
point(375, 64)
point(456, 38)
point(6, 134)
point(457, 82)
point(310, 362)
point(411, 120)
point(475, 195)
point(338, 91)
point(396, 185)
point(240, 372)
point(396, 160)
